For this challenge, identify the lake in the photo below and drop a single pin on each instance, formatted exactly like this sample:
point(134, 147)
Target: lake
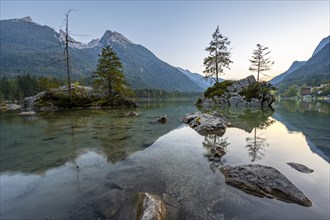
point(92, 163)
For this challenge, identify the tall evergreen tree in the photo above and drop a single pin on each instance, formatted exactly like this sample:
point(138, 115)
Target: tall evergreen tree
point(109, 76)
point(260, 62)
point(219, 55)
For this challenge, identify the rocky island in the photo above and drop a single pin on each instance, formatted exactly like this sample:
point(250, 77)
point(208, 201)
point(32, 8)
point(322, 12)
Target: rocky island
point(83, 97)
point(246, 92)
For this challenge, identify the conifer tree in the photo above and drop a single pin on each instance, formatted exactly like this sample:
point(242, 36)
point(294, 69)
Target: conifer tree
point(219, 56)
point(260, 62)
point(109, 76)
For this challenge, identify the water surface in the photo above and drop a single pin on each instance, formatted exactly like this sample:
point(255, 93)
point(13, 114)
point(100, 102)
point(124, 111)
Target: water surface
point(67, 164)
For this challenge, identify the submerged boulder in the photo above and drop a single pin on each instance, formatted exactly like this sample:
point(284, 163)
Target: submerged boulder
point(264, 181)
point(150, 207)
point(162, 119)
point(300, 167)
point(207, 123)
point(132, 114)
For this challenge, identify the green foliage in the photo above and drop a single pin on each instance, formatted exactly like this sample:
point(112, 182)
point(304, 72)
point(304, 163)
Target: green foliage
point(325, 92)
point(62, 99)
point(161, 94)
point(219, 55)
point(292, 91)
point(23, 86)
point(218, 89)
point(48, 83)
point(108, 76)
point(257, 90)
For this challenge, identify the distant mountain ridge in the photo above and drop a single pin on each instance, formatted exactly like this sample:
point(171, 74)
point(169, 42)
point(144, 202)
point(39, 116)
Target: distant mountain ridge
point(294, 66)
point(199, 79)
point(312, 72)
point(322, 44)
point(27, 47)
point(76, 44)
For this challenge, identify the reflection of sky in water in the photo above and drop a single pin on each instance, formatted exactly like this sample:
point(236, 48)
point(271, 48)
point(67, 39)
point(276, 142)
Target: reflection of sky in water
point(54, 192)
point(176, 160)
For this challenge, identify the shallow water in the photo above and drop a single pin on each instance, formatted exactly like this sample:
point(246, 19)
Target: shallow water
point(59, 165)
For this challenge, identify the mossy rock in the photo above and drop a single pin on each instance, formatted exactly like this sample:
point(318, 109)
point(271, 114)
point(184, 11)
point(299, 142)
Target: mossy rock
point(218, 89)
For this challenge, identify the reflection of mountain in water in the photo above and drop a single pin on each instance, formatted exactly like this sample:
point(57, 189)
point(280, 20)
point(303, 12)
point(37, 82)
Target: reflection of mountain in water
point(53, 139)
point(312, 119)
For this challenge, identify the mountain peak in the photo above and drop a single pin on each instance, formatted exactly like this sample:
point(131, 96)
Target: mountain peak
point(115, 37)
point(76, 44)
point(323, 42)
point(26, 19)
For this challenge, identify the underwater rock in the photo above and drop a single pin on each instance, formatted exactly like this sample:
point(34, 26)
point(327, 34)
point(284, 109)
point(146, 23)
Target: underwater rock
point(150, 207)
point(132, 114)
point(29, 113)
point(162, 119)
point(300, 167)
point(264, 181)
point(217, 152)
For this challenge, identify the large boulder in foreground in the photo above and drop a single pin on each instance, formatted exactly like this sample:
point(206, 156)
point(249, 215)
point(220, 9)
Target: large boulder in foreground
point(207, 123)
point(246, 92)
point(264, 181)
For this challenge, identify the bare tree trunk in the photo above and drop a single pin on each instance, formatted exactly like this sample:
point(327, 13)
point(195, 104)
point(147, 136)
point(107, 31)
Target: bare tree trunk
point(216, 66)
point(67, 53)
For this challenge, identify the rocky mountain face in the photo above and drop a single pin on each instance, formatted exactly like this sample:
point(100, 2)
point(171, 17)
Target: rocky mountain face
point(322, 44)
point(143, 69)
point(312, 72)
point(30, 48)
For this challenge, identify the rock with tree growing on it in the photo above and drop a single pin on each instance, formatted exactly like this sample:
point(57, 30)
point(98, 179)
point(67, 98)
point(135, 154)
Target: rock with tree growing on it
point(246, 92)
point(109, 89)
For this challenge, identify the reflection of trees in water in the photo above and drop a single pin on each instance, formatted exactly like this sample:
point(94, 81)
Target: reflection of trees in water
point(216, 147)
point(256, 144)
point(301, 106)
point(313, 122)
point(248, 119)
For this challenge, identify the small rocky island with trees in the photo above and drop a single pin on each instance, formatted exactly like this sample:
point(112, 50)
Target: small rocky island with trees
point(259, 180)
point(109, 89)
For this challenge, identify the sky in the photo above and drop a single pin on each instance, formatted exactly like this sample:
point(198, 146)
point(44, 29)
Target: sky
point(178, 32)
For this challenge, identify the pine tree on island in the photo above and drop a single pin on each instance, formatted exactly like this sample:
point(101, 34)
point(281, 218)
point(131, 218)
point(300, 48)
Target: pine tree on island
point(108, 77)
point(260, 62)
point(219, 56)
